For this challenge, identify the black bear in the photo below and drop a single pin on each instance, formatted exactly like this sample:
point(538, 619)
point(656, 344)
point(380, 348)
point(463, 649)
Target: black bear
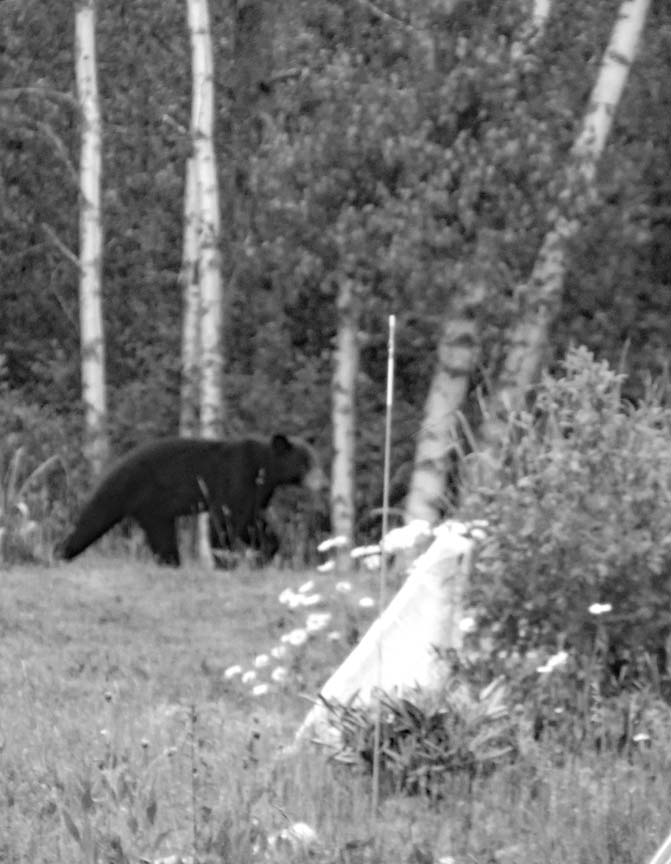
point(233, 481)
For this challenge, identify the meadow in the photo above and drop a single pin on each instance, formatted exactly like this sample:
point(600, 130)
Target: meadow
point(123, 739)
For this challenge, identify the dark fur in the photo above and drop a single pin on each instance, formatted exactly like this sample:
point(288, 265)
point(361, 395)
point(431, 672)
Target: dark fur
point(232, 480)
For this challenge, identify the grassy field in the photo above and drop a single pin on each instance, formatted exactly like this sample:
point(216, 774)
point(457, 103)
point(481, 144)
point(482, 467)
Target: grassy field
point(122, 740)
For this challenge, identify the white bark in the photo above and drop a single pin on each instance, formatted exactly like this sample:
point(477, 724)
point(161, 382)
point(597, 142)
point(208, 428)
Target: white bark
point(188, 423)
point(345, 371)
point(209, 231)
point(541, 296)
point(458, 349)
point(90, 241)
point(458, 352)
point(209, 266)
point(534, 28)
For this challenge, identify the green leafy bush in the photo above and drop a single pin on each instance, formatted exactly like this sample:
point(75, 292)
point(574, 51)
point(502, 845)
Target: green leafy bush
point(579, 509)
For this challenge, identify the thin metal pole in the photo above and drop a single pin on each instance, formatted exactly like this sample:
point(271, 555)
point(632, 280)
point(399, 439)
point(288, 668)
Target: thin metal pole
point(389, 404)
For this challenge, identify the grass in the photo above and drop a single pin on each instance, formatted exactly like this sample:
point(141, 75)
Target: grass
point(121, 740)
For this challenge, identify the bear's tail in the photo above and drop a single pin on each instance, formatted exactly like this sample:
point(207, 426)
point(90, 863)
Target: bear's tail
point(99, 515)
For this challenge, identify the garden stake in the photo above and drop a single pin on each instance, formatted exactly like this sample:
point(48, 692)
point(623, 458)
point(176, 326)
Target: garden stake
point(383, 558)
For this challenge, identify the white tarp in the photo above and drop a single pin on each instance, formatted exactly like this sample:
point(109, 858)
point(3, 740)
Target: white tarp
point(398, 653)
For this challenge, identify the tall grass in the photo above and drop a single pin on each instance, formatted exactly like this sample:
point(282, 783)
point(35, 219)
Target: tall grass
point(115, 712)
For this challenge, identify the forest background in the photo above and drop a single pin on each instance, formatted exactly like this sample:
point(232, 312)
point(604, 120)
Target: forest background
point(350, 145)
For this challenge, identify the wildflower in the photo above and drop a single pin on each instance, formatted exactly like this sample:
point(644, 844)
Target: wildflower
point(306, 586)
point(364, 551)
point(343, 587)
point(248, 676)
point(366, 602)
point(467, 624)
point(260, 689)
point(317, 621)
point(372, 562)
point(279, 674)
point(332, 543)
point(298, 837)
point(600, 608)
point(326, 567)
point(261, 661)
point(286, 596)
point(295, 637)
point(476, 531)
point(293, 600)
point(232, 671)
point(278, 652)
point(311, 599)
point(555, 662)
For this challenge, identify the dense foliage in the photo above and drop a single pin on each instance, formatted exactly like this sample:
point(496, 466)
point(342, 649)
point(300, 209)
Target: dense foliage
point(408, 151)
point(580, 514)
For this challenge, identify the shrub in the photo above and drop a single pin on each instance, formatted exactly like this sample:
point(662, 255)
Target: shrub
point(579, 510)
point(40, 474)
point(422, 742)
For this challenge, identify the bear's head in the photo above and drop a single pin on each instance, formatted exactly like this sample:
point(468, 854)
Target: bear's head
point(295, 461)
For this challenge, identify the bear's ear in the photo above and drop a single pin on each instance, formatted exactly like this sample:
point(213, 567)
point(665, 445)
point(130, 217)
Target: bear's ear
point(280, 444)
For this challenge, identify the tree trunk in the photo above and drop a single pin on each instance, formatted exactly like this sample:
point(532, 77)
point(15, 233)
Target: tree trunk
point(345, 371)
point(458, 351)
point(209, 258)
point(209, 231)
point(96, 447)
point(541, 296)
point(188, 421)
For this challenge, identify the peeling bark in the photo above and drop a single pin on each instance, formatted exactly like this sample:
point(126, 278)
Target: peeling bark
point(458, 349)
point(96, 445)
point(209, 257)
point(188, 422)
point(345, 371)
point(541, 296)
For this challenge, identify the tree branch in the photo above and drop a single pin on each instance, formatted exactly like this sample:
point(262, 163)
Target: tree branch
point(60, 245)
point(43, 92)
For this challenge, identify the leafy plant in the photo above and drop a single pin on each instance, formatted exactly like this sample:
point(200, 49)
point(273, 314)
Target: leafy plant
point(579, 509)
point(420, 744)
point(22, 537)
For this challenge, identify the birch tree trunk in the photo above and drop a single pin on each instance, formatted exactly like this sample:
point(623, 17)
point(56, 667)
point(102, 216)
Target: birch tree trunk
point(345, 371)
point(190, 390)
point(211, 297)
point(209, 256)
point(541, 296)
point(92, 337)
point(458, 351)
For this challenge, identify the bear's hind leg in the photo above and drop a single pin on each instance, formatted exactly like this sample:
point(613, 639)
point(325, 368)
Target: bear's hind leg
point(161, 534)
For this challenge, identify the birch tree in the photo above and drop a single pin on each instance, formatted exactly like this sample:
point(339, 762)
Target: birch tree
point(206, 301)
point(188, 421)
point(90, 241)
point(458, 351)
point(541, 296)
point(458, 346)
point(209, 256)
point(345, 370)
